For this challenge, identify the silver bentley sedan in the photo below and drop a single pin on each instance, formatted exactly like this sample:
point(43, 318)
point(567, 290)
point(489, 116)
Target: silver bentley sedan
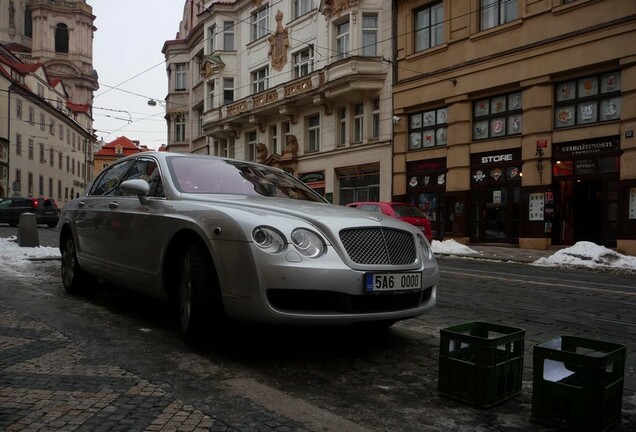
point(229, 239)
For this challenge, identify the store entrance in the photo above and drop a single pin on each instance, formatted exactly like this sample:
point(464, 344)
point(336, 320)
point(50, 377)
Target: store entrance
point(586, 211)
point(495, 214)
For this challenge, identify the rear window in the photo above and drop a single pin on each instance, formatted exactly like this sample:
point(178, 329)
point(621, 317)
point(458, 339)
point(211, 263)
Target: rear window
point(408, 211)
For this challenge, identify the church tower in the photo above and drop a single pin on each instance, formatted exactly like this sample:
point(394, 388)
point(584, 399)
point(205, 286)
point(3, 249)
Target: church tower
point(57, 33)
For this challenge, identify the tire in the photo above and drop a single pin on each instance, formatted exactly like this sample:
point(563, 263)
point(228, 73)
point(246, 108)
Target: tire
point(51, 224)
point(13, 224)
point(199, 298)
point(73, 278)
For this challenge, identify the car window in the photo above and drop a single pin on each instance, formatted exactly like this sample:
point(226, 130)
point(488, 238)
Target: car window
point(148, 170)
point(407, 211)
point(207, 175)
point(110, 179)
point(5, 203)
point(370, 207)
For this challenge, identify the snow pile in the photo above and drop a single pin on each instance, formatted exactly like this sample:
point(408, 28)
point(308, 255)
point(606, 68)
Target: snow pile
point(451, 247)
point(587, 254)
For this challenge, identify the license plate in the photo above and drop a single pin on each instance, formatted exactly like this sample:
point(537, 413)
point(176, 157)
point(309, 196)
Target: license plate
point(378, 282)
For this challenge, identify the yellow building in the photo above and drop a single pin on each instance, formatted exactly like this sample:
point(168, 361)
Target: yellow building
point(517, 119)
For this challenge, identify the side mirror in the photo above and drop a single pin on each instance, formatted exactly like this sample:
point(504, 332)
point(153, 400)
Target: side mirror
point(138, 187)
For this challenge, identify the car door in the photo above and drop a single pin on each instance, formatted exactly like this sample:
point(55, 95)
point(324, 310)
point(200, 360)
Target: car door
point(93, 220)
point(130, 248)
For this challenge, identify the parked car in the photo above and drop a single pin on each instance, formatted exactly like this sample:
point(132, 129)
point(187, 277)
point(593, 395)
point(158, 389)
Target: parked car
point(403, 211)
point(224, 238)
point(44, 209)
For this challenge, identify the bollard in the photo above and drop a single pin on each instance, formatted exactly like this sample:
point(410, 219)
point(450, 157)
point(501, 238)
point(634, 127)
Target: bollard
point(28, 231)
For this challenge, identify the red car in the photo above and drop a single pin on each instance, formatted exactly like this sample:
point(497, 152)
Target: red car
point(403, 211)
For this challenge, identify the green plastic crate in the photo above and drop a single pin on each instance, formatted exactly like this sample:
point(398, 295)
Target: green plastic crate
point(480, 363)
point(578, 383)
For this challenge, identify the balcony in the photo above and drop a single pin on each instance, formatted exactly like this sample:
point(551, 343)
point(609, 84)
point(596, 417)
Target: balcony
point(348, 80)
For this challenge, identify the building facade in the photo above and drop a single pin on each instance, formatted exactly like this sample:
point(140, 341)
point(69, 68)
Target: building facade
point(44, 139)
point(517, 119)
point(303, 85)
point(52, 73)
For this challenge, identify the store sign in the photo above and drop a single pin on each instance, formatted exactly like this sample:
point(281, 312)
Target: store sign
point(586, 148)
point(497, 158)
point(313, 177)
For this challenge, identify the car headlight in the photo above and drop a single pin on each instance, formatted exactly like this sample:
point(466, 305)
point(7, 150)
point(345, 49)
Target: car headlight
point(426, 248)
point(308, 243)
point(268, 239)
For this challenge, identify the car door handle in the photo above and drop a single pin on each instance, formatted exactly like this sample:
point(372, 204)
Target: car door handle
point(113, 205)
point(81, 204)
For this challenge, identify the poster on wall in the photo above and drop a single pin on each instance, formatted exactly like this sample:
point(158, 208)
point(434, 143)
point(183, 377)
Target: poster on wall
point(632, 203)
point(537, 203)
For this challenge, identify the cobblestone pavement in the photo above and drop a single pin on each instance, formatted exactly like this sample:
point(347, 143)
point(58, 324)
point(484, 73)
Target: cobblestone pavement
point(53, 377)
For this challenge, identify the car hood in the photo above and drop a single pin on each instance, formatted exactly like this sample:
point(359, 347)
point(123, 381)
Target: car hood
point(324, 216)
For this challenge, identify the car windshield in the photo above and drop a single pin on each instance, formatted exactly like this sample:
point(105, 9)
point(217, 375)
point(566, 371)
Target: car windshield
point(408, 211)
point(205, 175)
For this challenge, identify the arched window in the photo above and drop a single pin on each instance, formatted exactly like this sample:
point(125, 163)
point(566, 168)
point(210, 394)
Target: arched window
point(28, 22)
point(61, 38)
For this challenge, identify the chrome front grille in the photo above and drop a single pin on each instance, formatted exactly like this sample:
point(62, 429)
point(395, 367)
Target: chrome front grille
point(379, 246)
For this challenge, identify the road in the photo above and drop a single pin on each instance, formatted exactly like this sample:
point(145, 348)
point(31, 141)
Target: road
point(112, 360)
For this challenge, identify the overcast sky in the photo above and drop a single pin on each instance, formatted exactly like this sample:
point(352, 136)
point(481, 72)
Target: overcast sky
point(127, 55)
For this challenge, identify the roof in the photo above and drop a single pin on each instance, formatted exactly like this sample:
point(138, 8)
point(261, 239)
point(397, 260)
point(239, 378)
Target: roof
point(127, 146)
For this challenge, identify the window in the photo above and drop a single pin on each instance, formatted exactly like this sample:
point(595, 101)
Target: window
point(497, 12)
point(30, 183)
point(42, 121)
point(50, 187)
point(51, 161)
point(180, 76)
point(59, 189)
point(260, 23)
point(301, 7)
point(342, 40)
point(273, 138)
point(179, 128)
point(40, 90)
point(42, 153)
point(18, 144)
point(428, 129)
point(588, 100)
point(250, 139)
point(41, 185)
point(28, 22)
point(303, 62)
point(313, 133)
point(429, 27)
point(497, 116)
point(228, 90)
point(31, 148)
point(375, 118)
point(61, 131)
point(68, 164)
point(342, 126)
point(358, 122)
point(59, 161)
point(260, 80)
point(109, 180)
point(31, 115)
point(61, 38)
point(369, 35)
point(18, 108)
point(210, 93)
point(211, 39)
point(52, 128)
point(18, 179)
point(228, 36)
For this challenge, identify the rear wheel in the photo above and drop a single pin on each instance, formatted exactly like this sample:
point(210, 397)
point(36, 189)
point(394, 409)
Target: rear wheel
point(199, 298)
point(73, 277)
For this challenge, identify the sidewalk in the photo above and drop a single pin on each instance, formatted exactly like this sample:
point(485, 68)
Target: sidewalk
point(505, 253)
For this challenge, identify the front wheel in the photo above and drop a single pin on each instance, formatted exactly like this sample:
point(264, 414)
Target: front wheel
point(199, 298)
point(73, 277)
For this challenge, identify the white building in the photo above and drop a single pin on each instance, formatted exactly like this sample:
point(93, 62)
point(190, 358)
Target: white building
point(304, 85)
point(44, 144)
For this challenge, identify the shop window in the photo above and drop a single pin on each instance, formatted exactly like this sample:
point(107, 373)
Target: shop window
point(497, 116)
point(429, 27)
point(592, 99)
point(428, 129)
